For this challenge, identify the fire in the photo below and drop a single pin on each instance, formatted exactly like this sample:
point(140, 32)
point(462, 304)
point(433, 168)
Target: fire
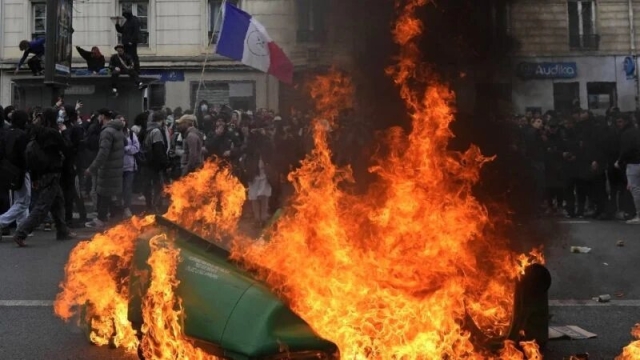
point(632, 351)
point(209, 202)
point(97, 274)
point(391, 274)
point(162, 313)
point(394, 273)
point(96, 288)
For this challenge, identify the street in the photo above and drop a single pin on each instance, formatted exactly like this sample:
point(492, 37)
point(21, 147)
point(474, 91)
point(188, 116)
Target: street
point(30, 277)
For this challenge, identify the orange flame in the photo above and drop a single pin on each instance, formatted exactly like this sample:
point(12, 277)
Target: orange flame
point(632, 351)
point(209, 202)
point(161, 312)
point(94, 281)
point(96, 284)
point(393, 274)
point(390, 274)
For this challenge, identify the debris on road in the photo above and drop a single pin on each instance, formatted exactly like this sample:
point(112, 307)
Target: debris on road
point(605, 264)
point(620, 243)
point(570, 332)
point(580, 249)
point(603, 298)
point(618, 294)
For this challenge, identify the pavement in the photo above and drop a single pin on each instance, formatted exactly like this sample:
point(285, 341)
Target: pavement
point(29, 281)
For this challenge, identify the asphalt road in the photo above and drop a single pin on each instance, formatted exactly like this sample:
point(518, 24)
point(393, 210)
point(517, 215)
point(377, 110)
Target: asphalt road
point(29, 281)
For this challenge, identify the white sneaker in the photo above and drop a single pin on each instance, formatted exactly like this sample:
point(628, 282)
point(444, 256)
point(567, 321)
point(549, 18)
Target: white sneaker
point(634, 221)
point(95, 224)
point(127, 213)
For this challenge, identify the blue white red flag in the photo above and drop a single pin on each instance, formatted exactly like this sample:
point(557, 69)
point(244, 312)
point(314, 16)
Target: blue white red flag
point(244, 39)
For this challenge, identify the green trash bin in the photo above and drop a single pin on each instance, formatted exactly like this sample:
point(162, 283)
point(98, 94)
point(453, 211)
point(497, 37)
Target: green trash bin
point(227, 312)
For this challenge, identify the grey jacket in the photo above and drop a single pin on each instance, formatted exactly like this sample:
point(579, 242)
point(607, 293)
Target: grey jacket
point(109, 162)
point(192, 144)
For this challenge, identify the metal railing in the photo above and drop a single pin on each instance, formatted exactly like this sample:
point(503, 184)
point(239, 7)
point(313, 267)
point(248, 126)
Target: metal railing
point(584, 42)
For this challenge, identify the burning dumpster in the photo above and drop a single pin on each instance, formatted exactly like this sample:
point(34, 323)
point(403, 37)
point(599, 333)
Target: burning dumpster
point(227, 312)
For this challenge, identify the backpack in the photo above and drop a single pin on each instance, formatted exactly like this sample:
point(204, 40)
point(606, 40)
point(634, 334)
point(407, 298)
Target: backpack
point(36, 158)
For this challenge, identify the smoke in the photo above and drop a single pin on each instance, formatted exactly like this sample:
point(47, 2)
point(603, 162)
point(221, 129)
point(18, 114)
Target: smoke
point(467, 42)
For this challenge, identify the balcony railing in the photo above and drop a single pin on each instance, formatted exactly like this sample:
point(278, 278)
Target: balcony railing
point(311, 36)
point(584, 42)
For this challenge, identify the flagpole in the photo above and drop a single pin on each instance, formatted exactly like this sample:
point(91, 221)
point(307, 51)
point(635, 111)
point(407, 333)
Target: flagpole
point(206, 57)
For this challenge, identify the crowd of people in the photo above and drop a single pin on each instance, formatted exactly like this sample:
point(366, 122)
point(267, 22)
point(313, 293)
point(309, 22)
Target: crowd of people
point(582, 165)
point(54, 159)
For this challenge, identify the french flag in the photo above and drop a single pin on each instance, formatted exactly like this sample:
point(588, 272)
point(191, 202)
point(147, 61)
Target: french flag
point(244, 39)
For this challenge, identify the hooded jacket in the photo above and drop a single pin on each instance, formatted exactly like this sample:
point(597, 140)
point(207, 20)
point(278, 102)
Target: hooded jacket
point(130, 30)
point(108, 164)
point(192, 158)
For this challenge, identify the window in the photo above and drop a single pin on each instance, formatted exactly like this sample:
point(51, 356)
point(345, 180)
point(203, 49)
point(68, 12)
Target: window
point(141, 10)
point(566, 96)
point(38, 20)
point(311, 20)
point(582, 25)
point(601, 95)
point(214, 17)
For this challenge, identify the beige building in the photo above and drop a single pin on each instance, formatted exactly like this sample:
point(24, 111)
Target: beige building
point(563, 52)
point(574, 50)
point(178, 36)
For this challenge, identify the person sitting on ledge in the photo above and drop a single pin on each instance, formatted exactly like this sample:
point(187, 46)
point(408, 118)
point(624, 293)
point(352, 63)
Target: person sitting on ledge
point(95, 61)
point(122, 63)
point(35, 47)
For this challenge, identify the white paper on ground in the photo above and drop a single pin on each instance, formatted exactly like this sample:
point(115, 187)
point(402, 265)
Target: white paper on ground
point(569, 332)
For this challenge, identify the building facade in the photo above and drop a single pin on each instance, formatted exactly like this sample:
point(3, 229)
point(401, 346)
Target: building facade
point(574, 52)
point(562, 54)
point(179, 37)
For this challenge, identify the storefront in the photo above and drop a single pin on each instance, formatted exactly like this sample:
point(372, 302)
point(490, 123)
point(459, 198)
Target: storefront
point(595, 83)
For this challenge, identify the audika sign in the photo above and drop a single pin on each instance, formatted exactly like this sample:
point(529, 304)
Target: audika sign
point(547, 70)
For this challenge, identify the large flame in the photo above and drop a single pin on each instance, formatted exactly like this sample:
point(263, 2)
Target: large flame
point(96, 284)
point(390, 274)
point(393, 273)
point(632, 351)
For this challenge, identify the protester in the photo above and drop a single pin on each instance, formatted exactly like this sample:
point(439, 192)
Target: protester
point(121, 63)
point(35, 47)
point(155, 151)
point(130, 31)
point(192, 157)
point(14, 173)
point(630, 158)
point(95, 60)
point(108, 165)
point(130, 167)
point(44, 155)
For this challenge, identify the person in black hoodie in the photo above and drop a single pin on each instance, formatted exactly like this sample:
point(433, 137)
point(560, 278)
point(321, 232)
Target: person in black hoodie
point(630, 157)
point(73, 134)
point(14, 145)
point(94, 58)
point(130, 31)
point(46, 178)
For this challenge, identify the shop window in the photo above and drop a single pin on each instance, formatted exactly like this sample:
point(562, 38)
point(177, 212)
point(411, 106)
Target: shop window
point(601, 95)
point(566, 96)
